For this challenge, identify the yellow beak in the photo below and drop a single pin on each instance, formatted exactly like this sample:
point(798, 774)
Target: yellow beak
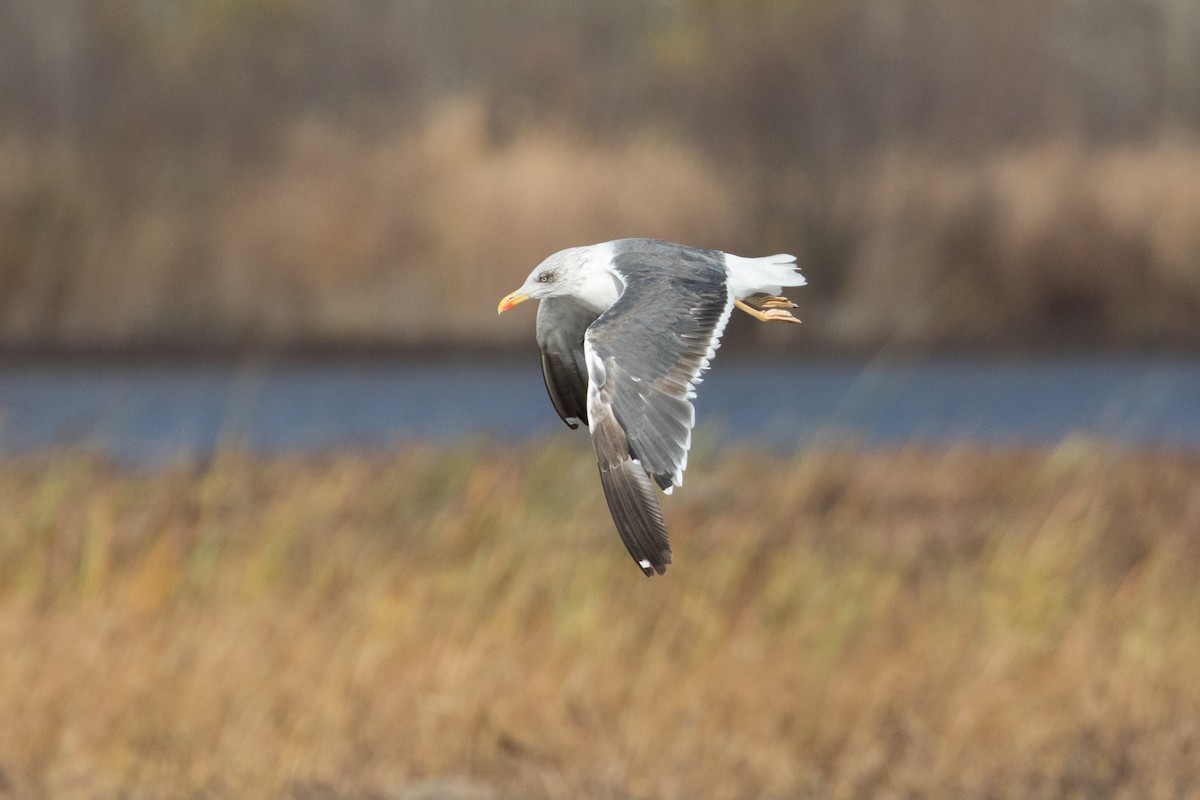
point(511, 300)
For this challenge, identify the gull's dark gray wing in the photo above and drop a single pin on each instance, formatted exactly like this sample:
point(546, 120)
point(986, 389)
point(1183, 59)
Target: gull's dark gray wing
point(644, 356)
point(561, 323)
point(630, 495)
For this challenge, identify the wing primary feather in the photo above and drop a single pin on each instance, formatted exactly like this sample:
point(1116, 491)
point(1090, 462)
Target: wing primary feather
point(637, 515)
point(630, 496)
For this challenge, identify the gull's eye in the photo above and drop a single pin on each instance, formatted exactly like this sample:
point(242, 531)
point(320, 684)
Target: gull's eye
point(546, 277)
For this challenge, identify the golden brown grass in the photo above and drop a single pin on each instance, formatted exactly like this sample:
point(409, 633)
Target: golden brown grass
point(838, 624)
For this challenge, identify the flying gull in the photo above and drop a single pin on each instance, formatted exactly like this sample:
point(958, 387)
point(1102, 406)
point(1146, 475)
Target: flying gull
point(625, 329)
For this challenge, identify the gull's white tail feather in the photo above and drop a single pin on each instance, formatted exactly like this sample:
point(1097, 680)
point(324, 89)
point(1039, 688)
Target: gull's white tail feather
point(767, 275)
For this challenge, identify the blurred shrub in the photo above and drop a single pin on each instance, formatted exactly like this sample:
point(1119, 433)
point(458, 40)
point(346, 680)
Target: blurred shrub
point(334, 241)
point(1050, 245)
point(232, 172)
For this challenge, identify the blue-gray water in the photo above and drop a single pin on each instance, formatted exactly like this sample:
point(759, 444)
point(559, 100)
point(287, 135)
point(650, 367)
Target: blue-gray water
point(147, 412)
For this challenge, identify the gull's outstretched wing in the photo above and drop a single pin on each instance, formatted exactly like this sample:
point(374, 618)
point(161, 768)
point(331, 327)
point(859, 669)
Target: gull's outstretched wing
point(644, 357)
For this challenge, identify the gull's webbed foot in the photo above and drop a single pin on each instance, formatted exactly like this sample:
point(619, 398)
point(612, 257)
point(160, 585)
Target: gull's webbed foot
point(768, 308)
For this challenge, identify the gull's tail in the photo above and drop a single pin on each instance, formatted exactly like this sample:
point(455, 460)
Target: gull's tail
point(765, 275)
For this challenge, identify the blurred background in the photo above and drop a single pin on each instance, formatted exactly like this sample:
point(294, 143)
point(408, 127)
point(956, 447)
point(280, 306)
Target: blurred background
point(256, 182)
point(233, 175)
point(285, 512)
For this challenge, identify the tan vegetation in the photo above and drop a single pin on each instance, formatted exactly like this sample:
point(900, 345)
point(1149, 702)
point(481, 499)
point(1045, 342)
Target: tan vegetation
point(342, 241)
point(838, 624)
point(273, 173)
point(411, 240)
point(1054, 242)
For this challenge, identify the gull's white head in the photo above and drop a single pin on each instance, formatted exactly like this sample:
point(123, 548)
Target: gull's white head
point(584, 273)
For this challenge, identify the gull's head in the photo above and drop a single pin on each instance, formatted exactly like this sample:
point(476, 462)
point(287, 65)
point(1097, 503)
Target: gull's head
point(567, 272)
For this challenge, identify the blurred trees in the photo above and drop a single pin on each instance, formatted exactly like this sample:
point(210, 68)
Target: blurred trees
point(764, 79)
point(796, 106)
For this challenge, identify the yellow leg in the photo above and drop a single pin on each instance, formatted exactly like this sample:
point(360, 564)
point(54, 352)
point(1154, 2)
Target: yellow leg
point(770, 301)
point(771, 313)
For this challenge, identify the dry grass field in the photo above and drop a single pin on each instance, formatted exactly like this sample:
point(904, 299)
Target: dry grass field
point(962, 622)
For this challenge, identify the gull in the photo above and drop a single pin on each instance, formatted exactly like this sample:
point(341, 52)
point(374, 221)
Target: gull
point(625, 330)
